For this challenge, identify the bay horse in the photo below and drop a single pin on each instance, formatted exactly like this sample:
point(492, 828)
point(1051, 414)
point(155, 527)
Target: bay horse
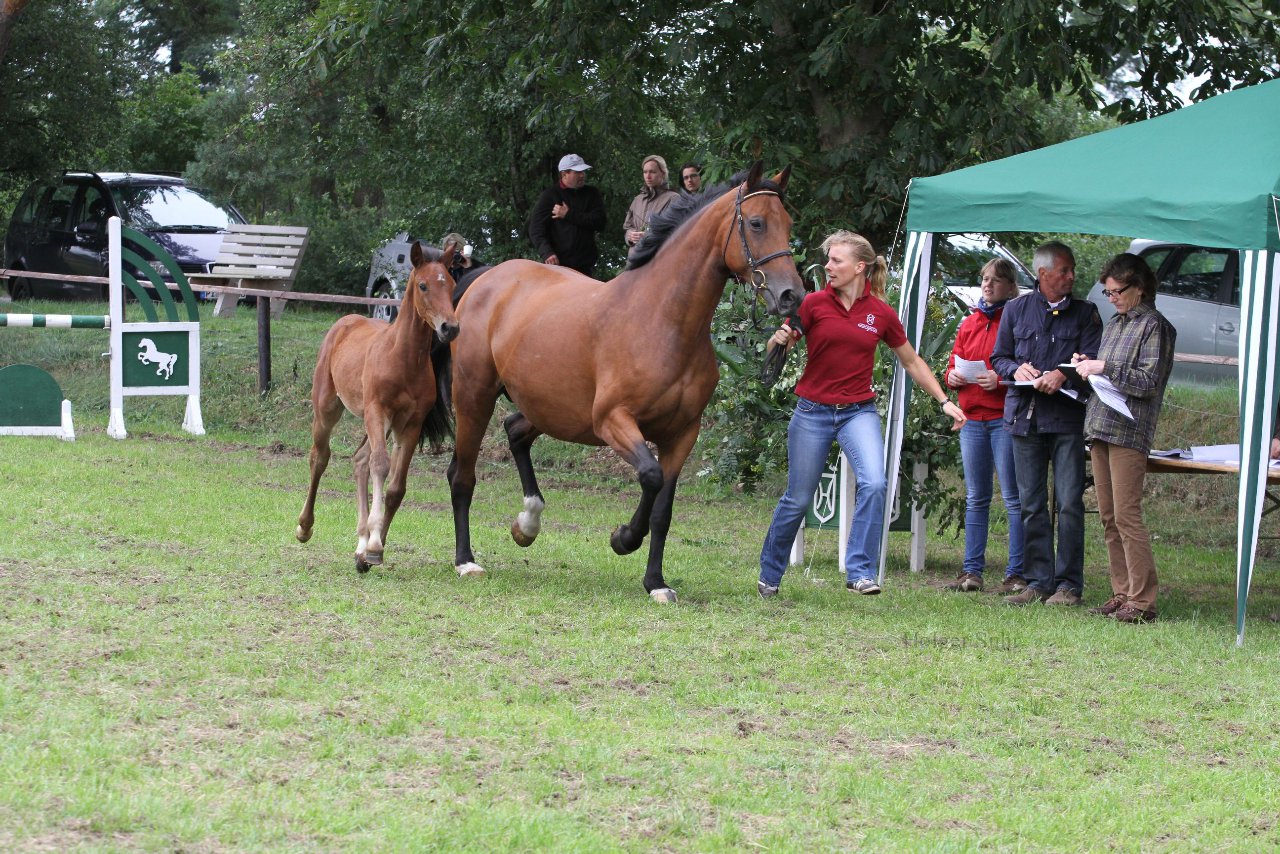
point(388, 375)
point(621, 363)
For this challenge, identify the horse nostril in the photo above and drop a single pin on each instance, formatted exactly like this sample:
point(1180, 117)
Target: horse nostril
point(787, 301)
point(448, 332)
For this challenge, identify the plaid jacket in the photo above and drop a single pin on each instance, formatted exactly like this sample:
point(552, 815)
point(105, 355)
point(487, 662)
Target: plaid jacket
point(1138, 349)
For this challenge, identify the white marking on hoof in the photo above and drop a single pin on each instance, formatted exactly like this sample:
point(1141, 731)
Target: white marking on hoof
point(302, 534)
point(663, 596)
point(530, 520)
point(469, 569)
point(362, 545)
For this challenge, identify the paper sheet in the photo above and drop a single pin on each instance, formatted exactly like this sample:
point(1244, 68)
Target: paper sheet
point(970, 369)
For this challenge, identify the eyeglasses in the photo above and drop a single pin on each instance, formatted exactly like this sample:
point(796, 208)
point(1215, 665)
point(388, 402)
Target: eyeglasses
point(1112, 294)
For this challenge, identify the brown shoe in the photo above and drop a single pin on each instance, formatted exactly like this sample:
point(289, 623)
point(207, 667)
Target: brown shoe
point(966, 582)
point(1109, 607)
point(1131, 613)
point(1012, 584)
point(1064, 596)
point(1027, 597)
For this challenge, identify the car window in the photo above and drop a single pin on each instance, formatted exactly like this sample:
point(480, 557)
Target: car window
point(1156, 257)
point(25, 212)
point(57, 210)
point(169, 206)
point(90, 205)
point(962, 265)
point(1198, 275)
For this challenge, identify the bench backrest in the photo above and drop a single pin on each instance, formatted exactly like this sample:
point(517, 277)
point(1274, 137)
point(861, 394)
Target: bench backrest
point(261, 252)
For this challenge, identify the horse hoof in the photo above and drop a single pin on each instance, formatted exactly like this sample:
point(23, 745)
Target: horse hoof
point(374, 558)
point(362, 566)
point(470, 570)
point(522, 539)
point(621, 541)
point(663, 596)
point(303, 534)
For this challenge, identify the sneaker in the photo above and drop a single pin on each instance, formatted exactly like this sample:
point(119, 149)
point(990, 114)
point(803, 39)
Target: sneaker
point(1064, 596)
point(966, 582)
point(1130, 613)
point(1109, 607)
point(766, 591)
point(1012, 584)
point(865, 586)
point(1028, 596)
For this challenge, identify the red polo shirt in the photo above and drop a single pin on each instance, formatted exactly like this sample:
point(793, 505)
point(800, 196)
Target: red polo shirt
point(842, 345)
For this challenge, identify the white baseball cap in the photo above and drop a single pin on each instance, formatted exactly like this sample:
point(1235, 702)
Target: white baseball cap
point(573, 163)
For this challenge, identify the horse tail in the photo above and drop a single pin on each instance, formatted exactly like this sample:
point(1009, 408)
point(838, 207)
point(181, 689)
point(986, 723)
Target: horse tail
point(438, 425)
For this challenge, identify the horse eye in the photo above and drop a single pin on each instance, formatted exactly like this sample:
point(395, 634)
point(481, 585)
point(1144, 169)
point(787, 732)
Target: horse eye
point(757, 224)
point(422, 286)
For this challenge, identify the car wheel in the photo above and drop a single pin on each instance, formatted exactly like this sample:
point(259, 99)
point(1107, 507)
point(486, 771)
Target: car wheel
point(20, 288)
point(384, 312)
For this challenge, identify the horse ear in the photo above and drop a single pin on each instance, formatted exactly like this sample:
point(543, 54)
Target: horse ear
point(782, 177)
point(416, 257)
point(754, 175)
point(447, 258)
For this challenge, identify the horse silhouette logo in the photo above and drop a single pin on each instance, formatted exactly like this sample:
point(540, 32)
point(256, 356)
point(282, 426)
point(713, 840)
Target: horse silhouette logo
point(150, 355)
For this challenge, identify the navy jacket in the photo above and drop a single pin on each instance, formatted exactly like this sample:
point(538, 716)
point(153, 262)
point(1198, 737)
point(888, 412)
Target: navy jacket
point(1033, 332)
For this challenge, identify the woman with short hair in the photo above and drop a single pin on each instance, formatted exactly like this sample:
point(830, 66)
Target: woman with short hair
point(1136, 355)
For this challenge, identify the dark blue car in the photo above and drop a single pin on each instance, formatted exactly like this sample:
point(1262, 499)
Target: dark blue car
point(60, 226)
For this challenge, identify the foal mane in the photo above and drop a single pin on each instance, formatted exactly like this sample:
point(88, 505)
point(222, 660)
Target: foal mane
point(663, 225)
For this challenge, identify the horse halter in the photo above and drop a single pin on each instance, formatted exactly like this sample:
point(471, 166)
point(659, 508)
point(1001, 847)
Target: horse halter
point(756, 278)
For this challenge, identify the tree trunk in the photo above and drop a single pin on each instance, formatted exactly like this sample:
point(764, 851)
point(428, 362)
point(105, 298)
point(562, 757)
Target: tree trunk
point(9, 12)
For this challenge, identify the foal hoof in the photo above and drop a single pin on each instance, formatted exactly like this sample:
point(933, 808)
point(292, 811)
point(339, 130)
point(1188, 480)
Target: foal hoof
point(303, 534)
point(470, 570)
point(623, 541)
point(663, 596)
point(522, 539)
point(362, 565)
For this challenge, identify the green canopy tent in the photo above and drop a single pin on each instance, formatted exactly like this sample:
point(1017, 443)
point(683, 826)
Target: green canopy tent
point(1207, 174)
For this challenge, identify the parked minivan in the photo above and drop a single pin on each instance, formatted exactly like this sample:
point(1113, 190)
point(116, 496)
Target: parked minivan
point(60, 226)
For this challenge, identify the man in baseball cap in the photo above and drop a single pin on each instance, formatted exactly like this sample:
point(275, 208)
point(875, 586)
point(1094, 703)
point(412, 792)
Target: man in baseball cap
point(566, 217)
point(573, 163)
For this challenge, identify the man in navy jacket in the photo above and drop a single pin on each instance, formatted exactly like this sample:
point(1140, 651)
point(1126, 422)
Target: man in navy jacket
point(1039, 331)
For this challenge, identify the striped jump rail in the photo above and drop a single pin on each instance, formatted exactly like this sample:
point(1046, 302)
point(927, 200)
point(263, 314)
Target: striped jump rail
point(56, 321)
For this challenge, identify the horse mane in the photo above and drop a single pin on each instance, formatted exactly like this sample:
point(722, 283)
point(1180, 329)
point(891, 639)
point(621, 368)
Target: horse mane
point(663, 225)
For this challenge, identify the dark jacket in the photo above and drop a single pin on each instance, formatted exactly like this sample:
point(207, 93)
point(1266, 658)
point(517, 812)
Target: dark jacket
point(572, 239)
point(1031, 331)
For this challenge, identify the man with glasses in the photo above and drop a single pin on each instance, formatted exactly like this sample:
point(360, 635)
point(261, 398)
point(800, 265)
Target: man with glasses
point(691, 179)
point(1044, 412)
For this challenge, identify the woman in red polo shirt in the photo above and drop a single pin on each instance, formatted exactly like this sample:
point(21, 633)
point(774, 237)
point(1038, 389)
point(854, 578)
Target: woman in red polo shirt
point(843, 323)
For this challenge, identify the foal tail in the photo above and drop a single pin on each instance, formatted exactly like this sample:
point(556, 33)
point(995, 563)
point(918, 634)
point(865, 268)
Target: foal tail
point(438, 425)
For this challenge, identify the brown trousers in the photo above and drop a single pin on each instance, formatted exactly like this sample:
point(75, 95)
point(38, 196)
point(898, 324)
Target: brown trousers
point(1118, 474)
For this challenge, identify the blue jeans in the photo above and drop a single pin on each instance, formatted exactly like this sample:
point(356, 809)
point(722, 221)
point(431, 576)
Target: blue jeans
point(986, 448)
point(814, 426)
point(1032, 456)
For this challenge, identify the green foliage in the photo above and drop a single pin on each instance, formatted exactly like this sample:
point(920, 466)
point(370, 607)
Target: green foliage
point(162, 125)
point(62, 81)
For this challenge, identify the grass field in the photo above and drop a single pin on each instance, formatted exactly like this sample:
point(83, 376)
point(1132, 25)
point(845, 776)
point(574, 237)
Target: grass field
point(180, 674)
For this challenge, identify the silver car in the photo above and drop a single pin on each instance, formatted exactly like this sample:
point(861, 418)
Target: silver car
point(1199, 292)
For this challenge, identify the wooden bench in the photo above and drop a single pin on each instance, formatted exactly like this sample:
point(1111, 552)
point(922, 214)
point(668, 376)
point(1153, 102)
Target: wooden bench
point(255, 256)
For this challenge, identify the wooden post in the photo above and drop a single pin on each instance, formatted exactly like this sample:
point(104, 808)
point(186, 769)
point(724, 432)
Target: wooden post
point(264, 345)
